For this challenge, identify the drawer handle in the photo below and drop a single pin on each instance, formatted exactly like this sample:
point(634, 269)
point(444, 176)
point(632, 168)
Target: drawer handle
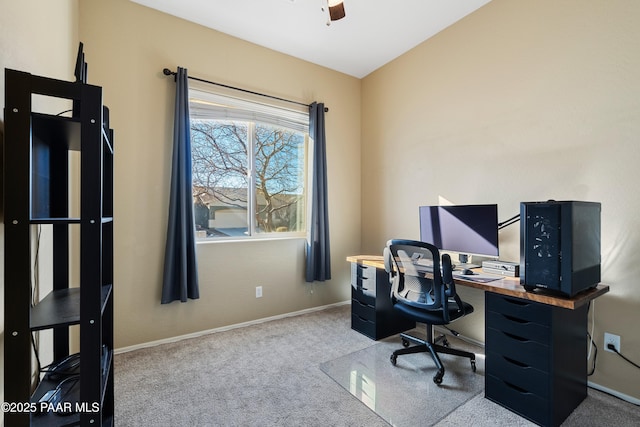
point(515, 337)
point(361, 304)
point(515, 362)
point(516, 302)
point(515, 319)
point(516, 388)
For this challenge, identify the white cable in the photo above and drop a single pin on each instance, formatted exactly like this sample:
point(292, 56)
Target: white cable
point(593, 325)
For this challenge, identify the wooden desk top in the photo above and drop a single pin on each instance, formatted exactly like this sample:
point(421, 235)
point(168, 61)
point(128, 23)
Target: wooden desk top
point(506, 286)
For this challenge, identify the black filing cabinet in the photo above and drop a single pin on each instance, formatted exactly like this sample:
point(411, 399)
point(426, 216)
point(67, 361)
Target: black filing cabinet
point(372, 313)
point(536, 357)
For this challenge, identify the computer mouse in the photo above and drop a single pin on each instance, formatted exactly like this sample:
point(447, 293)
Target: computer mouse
point(467, 272)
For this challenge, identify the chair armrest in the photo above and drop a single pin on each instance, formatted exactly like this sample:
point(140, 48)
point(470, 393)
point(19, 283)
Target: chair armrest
point(447, 276)
point(386, 256)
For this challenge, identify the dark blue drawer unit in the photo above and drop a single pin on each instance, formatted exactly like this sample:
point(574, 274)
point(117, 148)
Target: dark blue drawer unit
point(372, 313)
point(536, 358)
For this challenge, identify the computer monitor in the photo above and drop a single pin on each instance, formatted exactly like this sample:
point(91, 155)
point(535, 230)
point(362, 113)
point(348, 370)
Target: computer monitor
point(464, 229)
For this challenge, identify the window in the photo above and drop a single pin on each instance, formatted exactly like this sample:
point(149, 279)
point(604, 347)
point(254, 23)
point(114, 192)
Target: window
point(249, 167)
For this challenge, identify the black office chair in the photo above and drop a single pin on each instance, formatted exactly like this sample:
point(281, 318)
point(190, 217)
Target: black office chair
point(420, 291)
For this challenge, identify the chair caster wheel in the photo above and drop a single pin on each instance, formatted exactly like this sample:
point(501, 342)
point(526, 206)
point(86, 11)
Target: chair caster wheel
point(438, 378)
point(445, 343)
point(405, 343)
point(473, 365)
point(394, 358)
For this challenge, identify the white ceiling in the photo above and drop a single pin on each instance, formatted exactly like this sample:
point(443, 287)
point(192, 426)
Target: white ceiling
point(373, 32)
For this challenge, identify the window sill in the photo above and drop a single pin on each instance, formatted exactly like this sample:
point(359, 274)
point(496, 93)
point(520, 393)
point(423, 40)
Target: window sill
point(250, 239)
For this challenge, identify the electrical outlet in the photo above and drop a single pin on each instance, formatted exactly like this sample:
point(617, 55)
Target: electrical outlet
point(611, 339)
point(258, 291)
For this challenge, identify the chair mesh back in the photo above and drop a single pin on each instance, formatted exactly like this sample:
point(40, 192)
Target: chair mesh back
point(419, 279)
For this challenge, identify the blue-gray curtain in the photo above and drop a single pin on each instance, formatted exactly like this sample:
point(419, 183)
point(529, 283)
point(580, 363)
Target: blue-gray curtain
point(318, 260)
point(180, 267)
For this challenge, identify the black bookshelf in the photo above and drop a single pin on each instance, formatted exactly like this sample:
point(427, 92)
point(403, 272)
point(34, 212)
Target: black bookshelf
point(38, 173)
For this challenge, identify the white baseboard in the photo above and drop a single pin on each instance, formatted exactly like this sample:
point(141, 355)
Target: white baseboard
point(225, 328)
point(461, 337)
point(615, 393)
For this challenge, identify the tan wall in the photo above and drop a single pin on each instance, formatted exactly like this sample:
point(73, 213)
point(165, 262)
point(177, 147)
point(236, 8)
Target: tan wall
point(41, 38)
point(520, 101)
point(127, 47)
point(523, 100)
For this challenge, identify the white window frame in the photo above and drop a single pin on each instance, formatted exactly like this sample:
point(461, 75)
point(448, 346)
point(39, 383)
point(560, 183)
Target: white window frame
point(222, 104)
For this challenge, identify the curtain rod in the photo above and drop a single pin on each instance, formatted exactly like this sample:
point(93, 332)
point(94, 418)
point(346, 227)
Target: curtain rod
point(168, 72)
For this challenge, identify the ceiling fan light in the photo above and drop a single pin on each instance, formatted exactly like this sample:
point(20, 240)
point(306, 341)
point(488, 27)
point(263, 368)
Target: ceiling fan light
point(336, 10)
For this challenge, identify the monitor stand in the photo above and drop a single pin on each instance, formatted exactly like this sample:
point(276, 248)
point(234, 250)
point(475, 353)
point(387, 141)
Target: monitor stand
point(463, 263)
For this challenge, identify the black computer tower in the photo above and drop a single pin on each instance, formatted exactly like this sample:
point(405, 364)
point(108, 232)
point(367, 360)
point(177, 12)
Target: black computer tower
point(560, 246)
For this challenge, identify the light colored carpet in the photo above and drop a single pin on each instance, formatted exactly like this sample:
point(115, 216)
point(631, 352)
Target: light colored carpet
point(269, 375)
point(263, 375)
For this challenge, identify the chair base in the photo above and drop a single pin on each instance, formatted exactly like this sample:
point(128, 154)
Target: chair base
point(430, 346)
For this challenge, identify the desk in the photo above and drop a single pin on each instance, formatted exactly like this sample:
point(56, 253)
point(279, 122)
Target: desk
point(535, 345)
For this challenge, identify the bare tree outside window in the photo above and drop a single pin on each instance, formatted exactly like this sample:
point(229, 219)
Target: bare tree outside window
point(241, 167)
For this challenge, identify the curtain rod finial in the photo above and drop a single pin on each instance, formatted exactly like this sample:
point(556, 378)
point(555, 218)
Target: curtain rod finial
point(167, 72)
